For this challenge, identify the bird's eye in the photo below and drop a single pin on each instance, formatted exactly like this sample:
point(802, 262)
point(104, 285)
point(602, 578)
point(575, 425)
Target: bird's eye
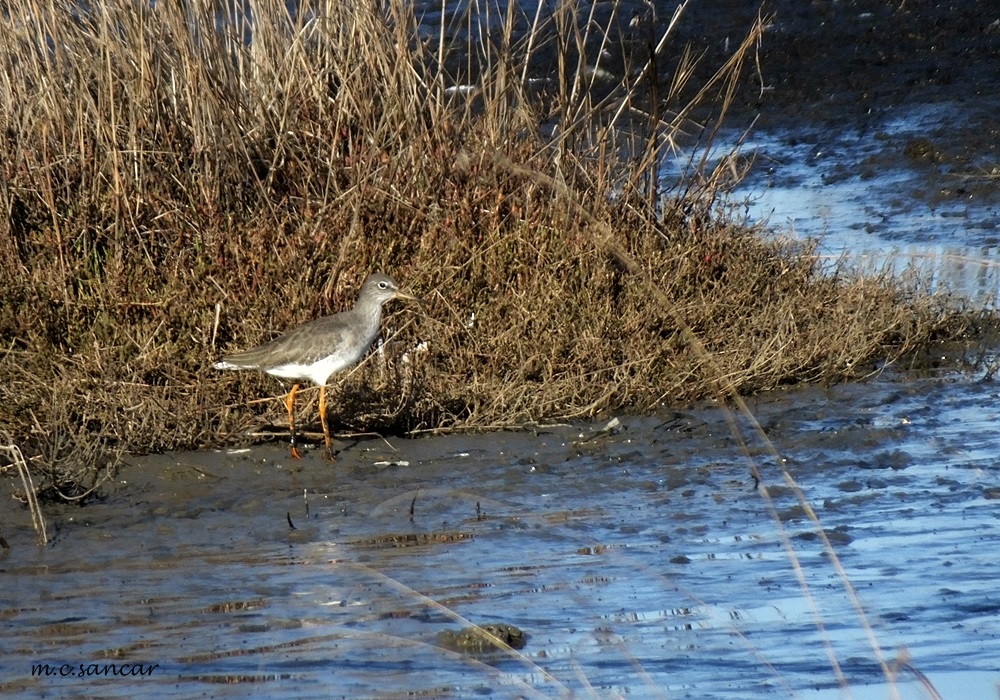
point(383, 285)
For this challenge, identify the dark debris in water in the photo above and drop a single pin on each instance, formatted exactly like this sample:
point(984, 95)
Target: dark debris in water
point(419, 539)
point(237, 606)
point(482, 639)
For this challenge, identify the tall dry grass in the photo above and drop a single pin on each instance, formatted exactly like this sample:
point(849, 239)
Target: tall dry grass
point(184, 179)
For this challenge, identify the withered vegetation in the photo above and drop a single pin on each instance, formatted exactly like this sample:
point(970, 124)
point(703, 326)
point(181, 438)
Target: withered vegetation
point(179, 181)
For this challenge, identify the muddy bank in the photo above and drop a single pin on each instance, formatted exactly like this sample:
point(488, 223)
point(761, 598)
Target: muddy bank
point(827, 69)
point(876, 133)
point(856, 59)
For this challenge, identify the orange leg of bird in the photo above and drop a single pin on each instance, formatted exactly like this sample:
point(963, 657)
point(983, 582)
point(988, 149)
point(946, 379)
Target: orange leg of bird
point(290, 405)
point(322, 419)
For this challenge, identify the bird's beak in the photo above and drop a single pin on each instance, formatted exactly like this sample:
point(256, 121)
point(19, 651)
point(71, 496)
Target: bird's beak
point(400, 294)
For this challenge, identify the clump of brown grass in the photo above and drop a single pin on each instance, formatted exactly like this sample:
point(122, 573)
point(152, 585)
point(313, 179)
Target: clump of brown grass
point(179, 181)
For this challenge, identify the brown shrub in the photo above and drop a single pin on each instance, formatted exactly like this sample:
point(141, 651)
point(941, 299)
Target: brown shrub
point(176, 189)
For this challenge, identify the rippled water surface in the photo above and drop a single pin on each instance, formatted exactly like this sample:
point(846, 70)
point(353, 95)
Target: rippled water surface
point(640, 562)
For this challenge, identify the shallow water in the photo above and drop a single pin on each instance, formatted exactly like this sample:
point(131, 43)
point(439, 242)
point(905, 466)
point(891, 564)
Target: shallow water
point(638, 563)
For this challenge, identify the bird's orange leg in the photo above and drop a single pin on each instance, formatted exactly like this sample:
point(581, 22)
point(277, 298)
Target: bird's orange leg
point(290, 405)
point(322, 419)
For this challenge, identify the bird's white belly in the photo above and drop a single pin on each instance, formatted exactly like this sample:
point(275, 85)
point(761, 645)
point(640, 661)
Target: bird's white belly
point(317, 372)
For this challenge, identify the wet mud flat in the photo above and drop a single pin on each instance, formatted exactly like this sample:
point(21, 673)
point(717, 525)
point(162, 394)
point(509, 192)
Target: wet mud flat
point(874, 131)
point(635, 562)
point(641, 562)
point(896, 198)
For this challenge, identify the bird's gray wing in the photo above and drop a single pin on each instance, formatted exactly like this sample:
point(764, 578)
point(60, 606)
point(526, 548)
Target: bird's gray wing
point(304, 344)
